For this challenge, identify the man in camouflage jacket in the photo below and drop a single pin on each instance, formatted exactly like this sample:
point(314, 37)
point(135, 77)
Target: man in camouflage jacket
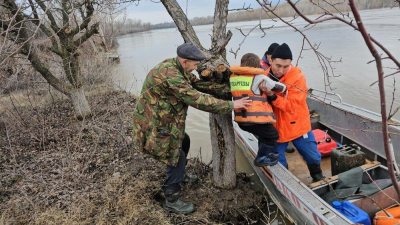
point(159, 118)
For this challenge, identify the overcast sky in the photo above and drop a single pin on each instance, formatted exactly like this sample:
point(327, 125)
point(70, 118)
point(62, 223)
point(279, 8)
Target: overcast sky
point(150, 11)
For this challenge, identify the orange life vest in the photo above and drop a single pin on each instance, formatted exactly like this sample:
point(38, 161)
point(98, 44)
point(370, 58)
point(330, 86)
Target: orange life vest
point(260, 111)
point(381, 218)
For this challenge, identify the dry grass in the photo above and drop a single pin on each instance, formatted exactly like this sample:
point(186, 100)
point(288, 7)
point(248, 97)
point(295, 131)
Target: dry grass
point(55, 169)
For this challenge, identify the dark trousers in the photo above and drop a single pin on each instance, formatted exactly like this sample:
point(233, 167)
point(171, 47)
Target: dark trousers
point(175, 174)
point(266, 133)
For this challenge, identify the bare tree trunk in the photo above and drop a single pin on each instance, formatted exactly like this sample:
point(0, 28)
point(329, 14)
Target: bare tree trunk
point(221, 129)
point(80, 103)
point(222, 135)
point(224, 160)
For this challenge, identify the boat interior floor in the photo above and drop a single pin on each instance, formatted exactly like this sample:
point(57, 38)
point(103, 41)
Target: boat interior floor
point(299, 168)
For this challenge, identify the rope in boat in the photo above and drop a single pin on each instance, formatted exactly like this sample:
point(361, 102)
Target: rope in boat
point(380, 188)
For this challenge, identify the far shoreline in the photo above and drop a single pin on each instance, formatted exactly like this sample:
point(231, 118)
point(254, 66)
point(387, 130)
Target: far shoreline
point(240, 21)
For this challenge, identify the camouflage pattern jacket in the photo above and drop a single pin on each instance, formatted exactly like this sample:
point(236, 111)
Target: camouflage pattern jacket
point(160, 114)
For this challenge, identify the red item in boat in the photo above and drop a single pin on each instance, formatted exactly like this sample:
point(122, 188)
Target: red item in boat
point(324, 141)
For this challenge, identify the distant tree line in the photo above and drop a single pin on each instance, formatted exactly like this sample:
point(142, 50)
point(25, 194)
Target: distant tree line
point(284, 10)
point(132, 26)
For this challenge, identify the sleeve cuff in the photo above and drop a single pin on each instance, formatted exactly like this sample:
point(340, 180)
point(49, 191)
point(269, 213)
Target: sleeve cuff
point(230, 105)
point(272, 98)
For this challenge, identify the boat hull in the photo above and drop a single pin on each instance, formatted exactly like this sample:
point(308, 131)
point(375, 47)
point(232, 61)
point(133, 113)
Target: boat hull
point(288, 193)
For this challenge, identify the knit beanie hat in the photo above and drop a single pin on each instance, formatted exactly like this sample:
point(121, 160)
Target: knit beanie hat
point(271, 49)
point(282, 52)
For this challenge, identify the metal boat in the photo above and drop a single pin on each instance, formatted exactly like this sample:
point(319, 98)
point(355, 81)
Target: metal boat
point(293, 190)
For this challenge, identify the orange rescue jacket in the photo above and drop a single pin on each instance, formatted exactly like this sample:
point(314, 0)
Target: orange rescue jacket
point(260, 111)
point(291, 110)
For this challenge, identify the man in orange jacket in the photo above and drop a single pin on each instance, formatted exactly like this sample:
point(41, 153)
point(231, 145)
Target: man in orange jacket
point(291, 110)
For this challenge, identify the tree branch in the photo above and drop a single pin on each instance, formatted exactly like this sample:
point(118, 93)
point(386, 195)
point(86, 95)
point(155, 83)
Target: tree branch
point(183, 24)
point(35, 14)
point(86, 19)
point(89, 33)
point(393, 98)
point(302, 48)
point(34, 58)
point(244, 8)
point(227, 39)
point(219, 27)
point(324, 61)
point(389, 75)
point(65, 11)
point(394, 113)
point(377, 57)
point(44, 29)
point(53, 23)
point(334, 17)
point(18, 28)
point(245, 36)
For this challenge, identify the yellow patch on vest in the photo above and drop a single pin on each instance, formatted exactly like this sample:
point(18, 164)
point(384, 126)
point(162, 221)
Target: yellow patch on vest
point(241, 83)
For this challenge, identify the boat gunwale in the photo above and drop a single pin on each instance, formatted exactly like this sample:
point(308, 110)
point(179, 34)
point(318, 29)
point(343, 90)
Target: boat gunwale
point(355, 110)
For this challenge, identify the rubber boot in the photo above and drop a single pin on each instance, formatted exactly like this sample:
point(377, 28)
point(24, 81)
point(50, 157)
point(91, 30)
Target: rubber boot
point(289, 149)
point(188, 178)
point(266, 156)
point(173, 204)
point(316, 172)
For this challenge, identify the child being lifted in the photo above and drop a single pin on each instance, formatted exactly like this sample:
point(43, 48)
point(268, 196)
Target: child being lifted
point(258, 119)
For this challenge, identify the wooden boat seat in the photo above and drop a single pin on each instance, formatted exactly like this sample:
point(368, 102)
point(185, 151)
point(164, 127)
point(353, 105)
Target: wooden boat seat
point(367, 165)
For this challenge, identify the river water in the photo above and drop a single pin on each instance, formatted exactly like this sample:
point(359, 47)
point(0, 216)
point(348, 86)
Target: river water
point(139, 52)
